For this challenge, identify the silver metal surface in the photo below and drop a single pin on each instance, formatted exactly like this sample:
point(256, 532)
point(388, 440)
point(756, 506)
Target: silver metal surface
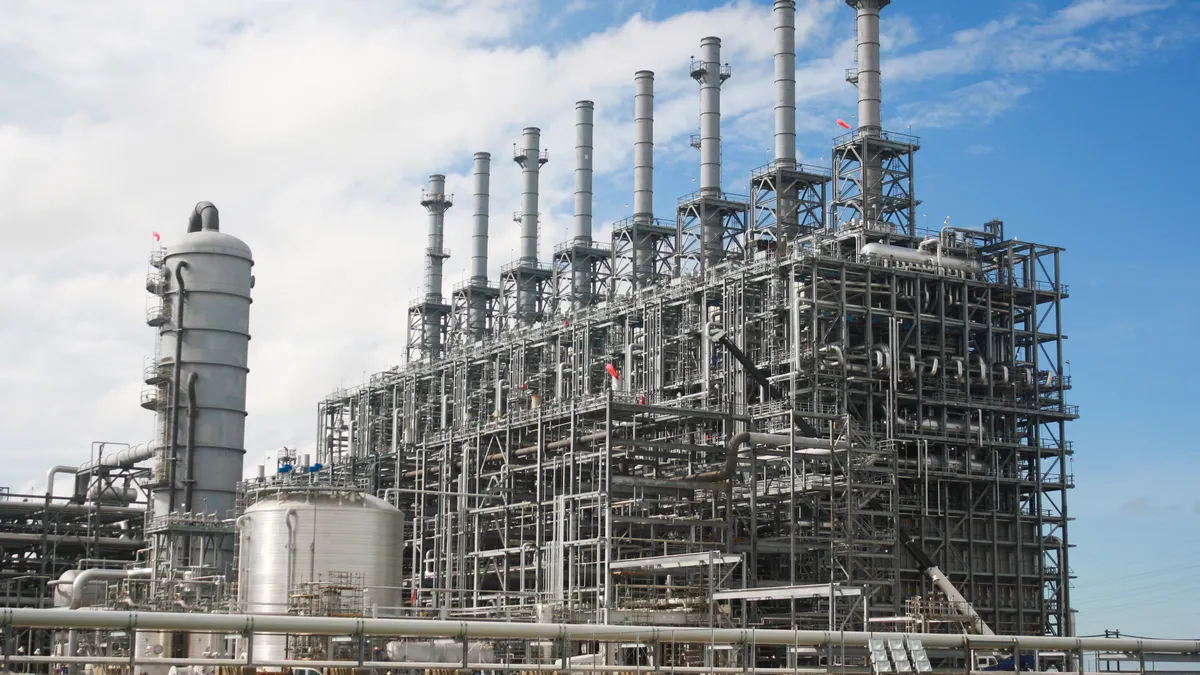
point(785, 81)
point(479, 219)
point(869, 91)
point(530, 160)
point(291, 537)
point(643, 145)
point(216, 268)
point(710, 78)
point(584, 117)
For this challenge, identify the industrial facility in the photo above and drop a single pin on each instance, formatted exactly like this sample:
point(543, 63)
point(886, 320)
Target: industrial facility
point(791, 410)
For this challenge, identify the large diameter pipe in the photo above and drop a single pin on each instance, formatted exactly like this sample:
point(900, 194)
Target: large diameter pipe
point(747, 439)
point(643, 146)
point(89, 576)
point(122, 459)
point(54, 471)
point(584, 116)
point(479, 219)
point(499, 630)
point(530, 160)
point(869, 92)
point(709, 75)
point(919, 257)
point(785, 82)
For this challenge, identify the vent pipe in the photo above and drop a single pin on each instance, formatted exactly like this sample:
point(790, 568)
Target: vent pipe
point(643, 146)
point(584, 115)
point(785, 82)
point(869, 95)
point(530, 158)
point(710, 74)
point(204, 217)
point(479, 220)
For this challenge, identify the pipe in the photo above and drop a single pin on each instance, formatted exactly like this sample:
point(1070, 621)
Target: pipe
point(288, 517)
point(204, 217)
point(193, 412)
point(121, 459)
point(88, 576)
point(499, 630)
point(176, 373)
point(735, 443)
point(926, 565)
point(785, 82)
point(529, 157)
point(52, 472)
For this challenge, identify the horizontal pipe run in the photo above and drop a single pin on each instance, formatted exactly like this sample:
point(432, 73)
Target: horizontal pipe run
point(274, 623)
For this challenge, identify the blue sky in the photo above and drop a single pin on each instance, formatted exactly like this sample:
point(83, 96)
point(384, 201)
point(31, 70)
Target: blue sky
point(313, 125)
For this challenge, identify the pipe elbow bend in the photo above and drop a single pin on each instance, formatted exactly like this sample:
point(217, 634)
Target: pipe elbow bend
point(204, 217)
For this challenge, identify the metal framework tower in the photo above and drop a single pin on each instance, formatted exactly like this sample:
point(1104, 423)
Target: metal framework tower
point(526, 291)
point(428, 317)
point(582, 266)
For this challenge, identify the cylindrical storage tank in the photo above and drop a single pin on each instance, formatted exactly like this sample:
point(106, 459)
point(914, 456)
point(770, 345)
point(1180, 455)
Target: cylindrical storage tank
point(212, 271)
point(292, 536)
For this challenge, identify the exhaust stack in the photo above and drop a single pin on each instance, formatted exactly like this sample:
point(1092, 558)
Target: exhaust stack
point(584, 115)
point(643, 146)
point(477, 307)
point(867, 79)
point(710, 74)
point(530, 158)
point(785, 82)
point(435, 201)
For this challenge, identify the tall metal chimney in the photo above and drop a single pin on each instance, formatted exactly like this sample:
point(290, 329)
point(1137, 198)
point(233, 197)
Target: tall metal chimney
point(869, 95)
point(479, 219)
point(584, 115)
point(643, 146)
point(435, 202)
point(530, 158)
point(785, 82)
point(643, 172)
point(709, 73)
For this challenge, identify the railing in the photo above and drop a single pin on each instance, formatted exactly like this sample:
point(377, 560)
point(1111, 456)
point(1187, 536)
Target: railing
point(437, 253)
point(156, 282)
point(578, 242)
point(629, 222)
point(428, 198)
point(531, 265)
point(718, 194)
point(890, 136)
point(790, 165)
point(520, 154)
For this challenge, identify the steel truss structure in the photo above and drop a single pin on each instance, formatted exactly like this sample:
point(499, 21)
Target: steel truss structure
point(541, 486)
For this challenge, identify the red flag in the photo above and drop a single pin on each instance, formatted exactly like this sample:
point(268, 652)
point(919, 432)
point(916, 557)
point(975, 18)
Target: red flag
point(156, 236)
point(612, 371)
point(842, 124)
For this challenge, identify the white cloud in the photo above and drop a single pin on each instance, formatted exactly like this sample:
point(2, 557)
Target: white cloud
point(978, 103)
point(313, 127)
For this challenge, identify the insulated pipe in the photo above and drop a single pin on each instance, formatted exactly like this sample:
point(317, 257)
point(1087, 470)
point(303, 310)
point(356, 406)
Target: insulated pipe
point(204, 217)
point(189, 448)
point(584, 115)
point(122, 459)
point(529, 158)
point(178, 365)
point(54, 471)
point(918, 257)
point(643, 146)
point(498, 630)
point(735, 443)
point(785, 82)
point(479, 220)
point(869, 93)
point(88, 576)
point(926, 564)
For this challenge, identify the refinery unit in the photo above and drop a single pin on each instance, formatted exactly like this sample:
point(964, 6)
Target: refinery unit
point(789, 410)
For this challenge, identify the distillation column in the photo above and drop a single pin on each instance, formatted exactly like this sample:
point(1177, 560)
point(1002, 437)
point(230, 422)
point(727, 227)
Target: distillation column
point(477, 318)
point(643, 171)
point(435, 202)
point(584, 127)
point(709, 73)
point(205, 346)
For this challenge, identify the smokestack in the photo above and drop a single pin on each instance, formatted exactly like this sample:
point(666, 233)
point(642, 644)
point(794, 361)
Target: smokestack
point(479, 220)
point(709, 73)
point(435, 202)
point(785, 82)
point(530, 158)
point(869, 95)
point(643, 146)
point(584, 112)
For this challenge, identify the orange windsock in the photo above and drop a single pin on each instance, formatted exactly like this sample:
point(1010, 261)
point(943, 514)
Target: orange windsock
point(612, 371)
point(842, 124)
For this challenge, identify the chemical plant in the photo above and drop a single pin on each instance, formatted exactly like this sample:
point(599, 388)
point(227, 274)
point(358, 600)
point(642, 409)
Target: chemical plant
point(785, 431)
